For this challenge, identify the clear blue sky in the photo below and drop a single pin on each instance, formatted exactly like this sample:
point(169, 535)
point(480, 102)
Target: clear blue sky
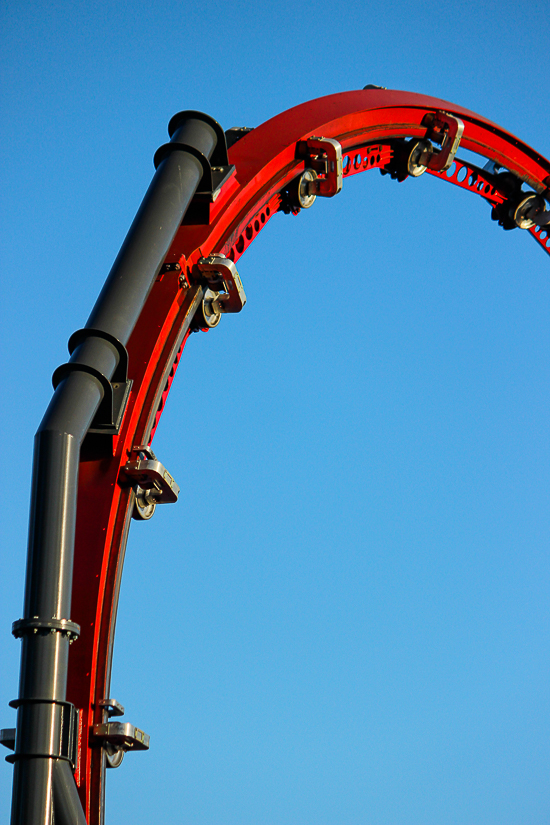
point(344, 619)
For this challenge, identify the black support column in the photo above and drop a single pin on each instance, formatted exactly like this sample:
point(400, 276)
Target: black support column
point(43, 778)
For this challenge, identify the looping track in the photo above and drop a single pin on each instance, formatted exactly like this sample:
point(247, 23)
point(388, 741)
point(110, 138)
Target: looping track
point(367, 124)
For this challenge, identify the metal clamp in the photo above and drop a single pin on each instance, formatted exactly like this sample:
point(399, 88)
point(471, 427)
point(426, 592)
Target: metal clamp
point(109, 415)
point(117, 738)
point(35, 625)
point(122, 735)
point(111, 707)
point(444, 129)
point(61, 745)
point(151, 481)
point(323, 156)
point(223, 280)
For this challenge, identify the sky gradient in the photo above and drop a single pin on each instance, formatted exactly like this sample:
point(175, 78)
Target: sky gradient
point(344, 619)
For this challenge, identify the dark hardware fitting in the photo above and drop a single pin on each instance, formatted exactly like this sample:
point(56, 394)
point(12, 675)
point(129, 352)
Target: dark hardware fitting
point(203, 207)
point(224, 292)
point(117, 738)
point(150, 473)
point(218, 156)
point(445, 130)
point(324, 156)
point(180, 268)
point(113, 753)
point(413, 157)
point(24, 627)
point(404, 159)
point(122, 735)
point(213, 177)
point(220, 273)
point(216, 172)
point(7, 738)
point(236, 133)
point(172, 266)
point(151, 481)
point(219, 152)
point(64, 745)
point(108, 417)
point(111, 707)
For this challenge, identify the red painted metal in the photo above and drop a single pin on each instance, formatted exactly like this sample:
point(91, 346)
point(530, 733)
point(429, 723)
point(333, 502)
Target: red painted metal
point(266, 162)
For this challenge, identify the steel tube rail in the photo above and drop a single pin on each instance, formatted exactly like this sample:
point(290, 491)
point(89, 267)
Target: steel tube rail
point(159, 217)
point(68, 810)
point(42, 776)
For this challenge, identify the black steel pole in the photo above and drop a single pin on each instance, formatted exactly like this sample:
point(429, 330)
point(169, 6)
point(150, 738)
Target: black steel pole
point(46, 629)
point(68, 810)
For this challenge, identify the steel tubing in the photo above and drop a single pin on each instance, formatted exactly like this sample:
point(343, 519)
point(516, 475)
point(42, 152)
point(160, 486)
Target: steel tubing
point(151, 234)
point(40, 779)
point(68, 810)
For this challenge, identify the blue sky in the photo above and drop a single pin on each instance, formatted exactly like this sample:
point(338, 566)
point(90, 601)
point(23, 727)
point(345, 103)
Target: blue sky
point(345, 617)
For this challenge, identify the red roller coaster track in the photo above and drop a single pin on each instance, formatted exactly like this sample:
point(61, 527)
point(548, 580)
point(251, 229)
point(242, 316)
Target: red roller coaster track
point(370, 126)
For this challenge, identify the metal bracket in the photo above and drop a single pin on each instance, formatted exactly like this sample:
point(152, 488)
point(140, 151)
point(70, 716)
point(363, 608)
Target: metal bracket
point(64, 747)
point(150, 474)
point(324, 156)
point(446, 130)
point(111, 707)
point(122, 735)
point(151, 481)
point(223, 280)
point(235, 133)
point(117, 738)
point(108, 417)
point(7, 738)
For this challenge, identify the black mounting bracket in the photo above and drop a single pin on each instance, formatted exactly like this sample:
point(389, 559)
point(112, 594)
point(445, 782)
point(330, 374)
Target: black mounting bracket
point(64, 748)
point(108, 417)
point(216, 172)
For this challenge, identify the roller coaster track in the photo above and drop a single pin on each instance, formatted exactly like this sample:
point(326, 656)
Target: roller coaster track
point(399, 133)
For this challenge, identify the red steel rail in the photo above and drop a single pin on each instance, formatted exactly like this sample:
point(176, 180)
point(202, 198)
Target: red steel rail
point(366, 124)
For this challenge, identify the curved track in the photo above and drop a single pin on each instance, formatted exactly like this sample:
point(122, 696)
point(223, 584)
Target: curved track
point(370, 126)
